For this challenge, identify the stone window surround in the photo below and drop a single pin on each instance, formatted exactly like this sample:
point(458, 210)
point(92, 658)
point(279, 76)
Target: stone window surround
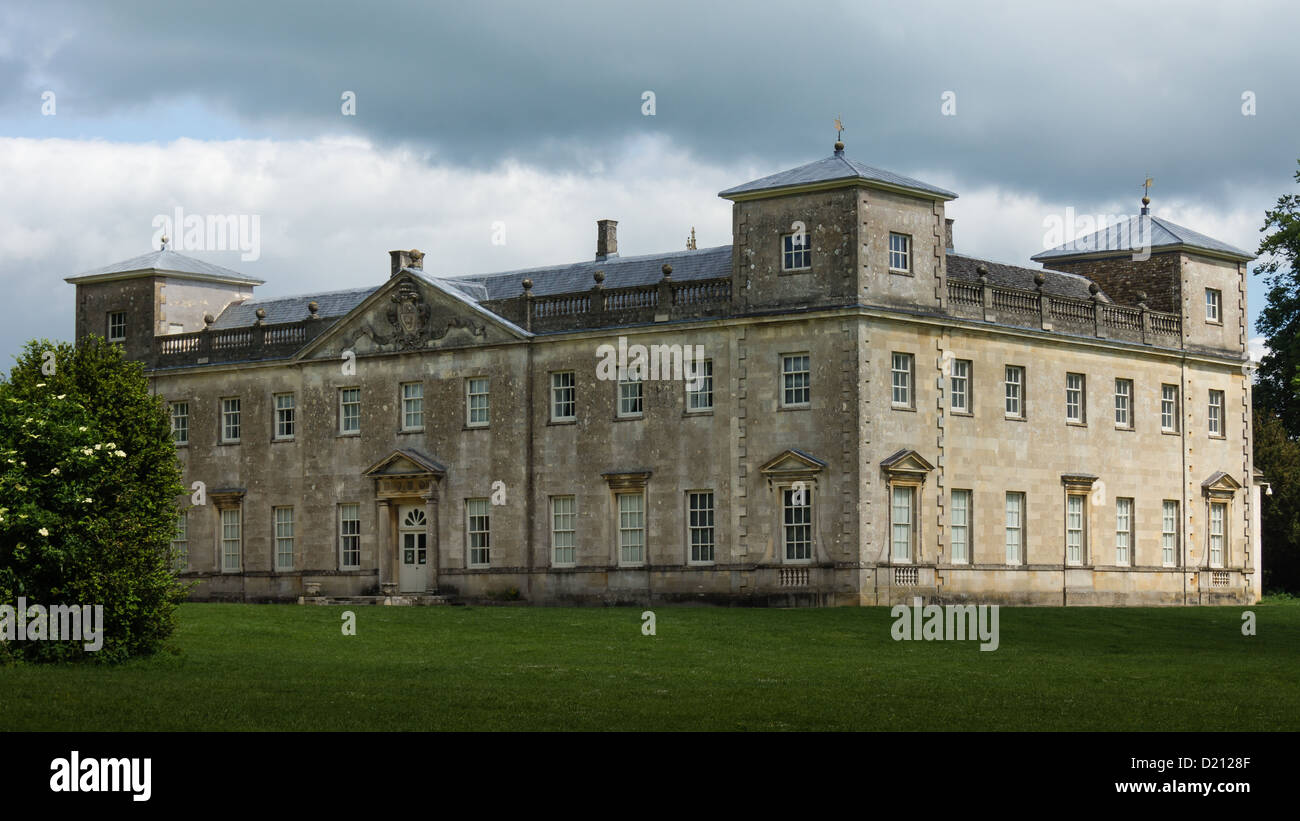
point(1078, 485)
point(629, 481)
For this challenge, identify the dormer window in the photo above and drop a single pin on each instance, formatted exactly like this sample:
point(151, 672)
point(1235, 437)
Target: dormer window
point(796, 252)
point(117, 326)
point(900, 253)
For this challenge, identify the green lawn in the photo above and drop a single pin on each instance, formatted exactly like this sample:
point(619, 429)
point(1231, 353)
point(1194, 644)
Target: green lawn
point(264, 667)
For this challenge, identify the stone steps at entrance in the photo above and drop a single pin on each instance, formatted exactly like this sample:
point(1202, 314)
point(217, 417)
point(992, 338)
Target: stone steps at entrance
point(402, 600)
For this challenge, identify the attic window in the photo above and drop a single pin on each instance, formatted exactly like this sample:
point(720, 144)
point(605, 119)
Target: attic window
point(900, 253)
point(796, 252)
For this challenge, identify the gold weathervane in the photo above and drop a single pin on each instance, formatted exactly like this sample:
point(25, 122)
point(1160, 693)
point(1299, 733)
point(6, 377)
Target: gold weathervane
point(839, 130)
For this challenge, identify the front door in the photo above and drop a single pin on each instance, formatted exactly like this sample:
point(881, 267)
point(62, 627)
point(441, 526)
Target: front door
point(414, 573)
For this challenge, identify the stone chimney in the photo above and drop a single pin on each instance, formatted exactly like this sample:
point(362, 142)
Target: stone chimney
point(606, 239)
point(404, 259)
point(947, 234)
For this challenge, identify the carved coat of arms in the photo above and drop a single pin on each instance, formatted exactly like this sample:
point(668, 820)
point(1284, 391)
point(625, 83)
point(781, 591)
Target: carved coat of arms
point(409, 316)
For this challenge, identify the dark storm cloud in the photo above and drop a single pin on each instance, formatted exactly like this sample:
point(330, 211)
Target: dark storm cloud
point(1076, 103)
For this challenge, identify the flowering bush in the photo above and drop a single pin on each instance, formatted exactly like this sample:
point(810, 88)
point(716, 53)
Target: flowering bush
point(88, 488)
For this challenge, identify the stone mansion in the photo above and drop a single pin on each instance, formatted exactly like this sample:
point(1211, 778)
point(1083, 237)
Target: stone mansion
point(875, 416)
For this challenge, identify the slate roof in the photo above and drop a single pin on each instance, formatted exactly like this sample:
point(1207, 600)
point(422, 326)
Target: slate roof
point(165, 261)
point(1056, 283)
point(291, 308)
point(620, 272)
point(1131, 235)
point(833, 168)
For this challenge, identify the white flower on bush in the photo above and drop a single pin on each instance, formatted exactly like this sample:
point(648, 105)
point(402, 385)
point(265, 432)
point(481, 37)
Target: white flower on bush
point(61, 396)
point(98, 446)
point(43, 532)
point(119, 453)
point(86, 451)
point(54, 471)
point(83, 428)
point(88, 500)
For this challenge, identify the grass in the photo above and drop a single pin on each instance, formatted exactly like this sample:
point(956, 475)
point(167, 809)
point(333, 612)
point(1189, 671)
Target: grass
point(268, 667)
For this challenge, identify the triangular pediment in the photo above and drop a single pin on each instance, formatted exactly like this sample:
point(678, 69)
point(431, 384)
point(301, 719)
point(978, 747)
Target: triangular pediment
point(792, 462)
point(906, 462)
point(1220, 483)
point(413, 312)
point(405, 462)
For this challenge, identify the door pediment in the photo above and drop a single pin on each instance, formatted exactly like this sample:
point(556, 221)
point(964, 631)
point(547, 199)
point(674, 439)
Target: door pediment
point(406, 473)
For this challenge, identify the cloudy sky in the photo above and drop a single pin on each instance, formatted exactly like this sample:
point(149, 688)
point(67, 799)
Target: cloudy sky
point(524, 122)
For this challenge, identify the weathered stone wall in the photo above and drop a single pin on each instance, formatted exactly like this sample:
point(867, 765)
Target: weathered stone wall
point(924, 287)
point(137, 297)
point(830, 219)
point(1123, 278)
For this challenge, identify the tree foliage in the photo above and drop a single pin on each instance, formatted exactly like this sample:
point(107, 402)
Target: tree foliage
point(88, 486)
point(1277, 387)
point(1278, 457)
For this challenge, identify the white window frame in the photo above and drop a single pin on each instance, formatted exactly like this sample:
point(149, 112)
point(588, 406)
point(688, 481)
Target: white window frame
point(1214, 416)
point(1169, 533)
point(902, 380)
point(959, 525)
point(349, 535)
point(1016, 552)
point(701, 534)
point(284, 537)
point(797, 521)
point(1076, 529)
point(630, 397)
point(631, 527)
point(231, 409)
point(1214, 306)
point(564, 531)
point(345, 417)
point(180, 412)
point(1217, 533)
point(900, 253)
point(564, 395)
point(903, 523)
point(412, 406)
point(701, 401)
point(959, 386)
point(181, 543)
point(285, 421)
point(1123, 531)
point(1013, 391)
point(478, 533)
point(796, 380)
point(114, 334)
point(1076, 399)
point(231, 539)
point(1169, 408)
point(796, 257)
point(478, 402)
point(1124, 404)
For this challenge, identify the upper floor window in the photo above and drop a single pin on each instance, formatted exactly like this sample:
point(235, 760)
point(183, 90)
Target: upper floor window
point(180, 422)
point(1015, 391)
point(631, 396)
point(412, 406)
point(1169, 408)
point(796, 251)
point(900, 252)
point(476, 402)
point(1213, 305)
point(1075, 398)
point(564, 397)
point(1214, 418)
point(796, 381)
point(284, 416)
point(960, 386)
point(117, 326)
point(230, 420)
point(349, 410)
point(1124, 403)
point(699, 391)
point(901, 382)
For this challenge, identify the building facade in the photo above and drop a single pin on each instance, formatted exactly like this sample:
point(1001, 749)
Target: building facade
point(837, 408)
